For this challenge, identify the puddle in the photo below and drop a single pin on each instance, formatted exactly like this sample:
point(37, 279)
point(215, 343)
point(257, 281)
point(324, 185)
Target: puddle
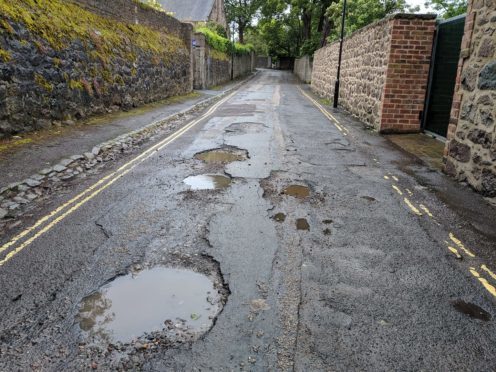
point(471, 310)
point(279, 217)
point(297, 191)
point(207, 182)
point(302, 224)
point(137, 304)
point(222, 156)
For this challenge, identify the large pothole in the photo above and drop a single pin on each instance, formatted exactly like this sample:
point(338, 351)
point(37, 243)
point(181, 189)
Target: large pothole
point(173, 305)
point(222, 155)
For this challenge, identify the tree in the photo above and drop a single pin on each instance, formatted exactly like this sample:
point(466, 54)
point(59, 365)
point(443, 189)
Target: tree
point(242, 13)
point(448, 8)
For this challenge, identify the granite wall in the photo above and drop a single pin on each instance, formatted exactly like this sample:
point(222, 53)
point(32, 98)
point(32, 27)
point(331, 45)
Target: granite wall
point(470, 152)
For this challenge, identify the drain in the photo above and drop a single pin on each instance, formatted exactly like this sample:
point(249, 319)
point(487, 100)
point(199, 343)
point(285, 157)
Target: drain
point(297, 191)
point(471, 310)
point(154, 300)
point(222, 156)
point(207, 182)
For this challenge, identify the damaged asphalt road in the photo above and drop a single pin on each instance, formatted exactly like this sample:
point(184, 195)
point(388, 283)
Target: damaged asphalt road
point(320, 246)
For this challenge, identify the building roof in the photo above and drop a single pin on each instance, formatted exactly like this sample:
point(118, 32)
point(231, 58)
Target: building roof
point(189, 10)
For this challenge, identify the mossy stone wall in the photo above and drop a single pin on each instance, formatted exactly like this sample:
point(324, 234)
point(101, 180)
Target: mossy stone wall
point(62, 61)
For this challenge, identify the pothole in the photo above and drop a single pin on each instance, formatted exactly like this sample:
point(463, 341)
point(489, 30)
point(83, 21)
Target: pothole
point(279, 217)
point(177, 303)
point(297, 191)
point(302, 224)
point(222, 156)
point(245, 128)
point(471, 310)
point(207, 182)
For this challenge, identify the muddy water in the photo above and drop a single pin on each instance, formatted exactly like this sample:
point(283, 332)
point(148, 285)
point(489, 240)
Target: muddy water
point(220, 156)
point(472, 310)
point(132, 305)
point(297, 191)
point(280, 217)
point(302, 224)
point(207, 182)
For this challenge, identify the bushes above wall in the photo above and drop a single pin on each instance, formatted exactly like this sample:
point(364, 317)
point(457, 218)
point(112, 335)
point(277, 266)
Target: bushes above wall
point(222, 44)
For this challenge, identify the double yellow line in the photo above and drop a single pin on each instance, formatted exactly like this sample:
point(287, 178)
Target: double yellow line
point(326, 113)
point(47, 222)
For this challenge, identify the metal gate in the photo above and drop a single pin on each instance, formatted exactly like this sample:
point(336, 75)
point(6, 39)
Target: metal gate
point(442, 76)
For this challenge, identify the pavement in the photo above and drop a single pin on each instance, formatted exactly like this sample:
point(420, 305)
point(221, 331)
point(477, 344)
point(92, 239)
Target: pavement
point(30, 152)
point(371, 261)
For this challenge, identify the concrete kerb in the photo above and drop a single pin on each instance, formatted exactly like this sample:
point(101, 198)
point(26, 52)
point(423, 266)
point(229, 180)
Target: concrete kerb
point(16, 196)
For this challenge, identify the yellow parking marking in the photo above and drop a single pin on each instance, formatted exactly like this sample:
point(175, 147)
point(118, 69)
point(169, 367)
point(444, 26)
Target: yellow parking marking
point(426, 210)
point(397, 189)
point(386, 177)
point(486, 269)
point(395, 178)
point(409, 192)
point(412, 207)
point(461, 245)
point(331, 118)
point(96, 188)
point(455, 252)
point(491, 289)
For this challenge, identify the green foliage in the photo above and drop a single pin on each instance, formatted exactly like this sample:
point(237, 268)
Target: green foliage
point(151, 4)
point(42, 82)
point(448, 8)
point(360, 13)
point(242, 13)
point(222, 44)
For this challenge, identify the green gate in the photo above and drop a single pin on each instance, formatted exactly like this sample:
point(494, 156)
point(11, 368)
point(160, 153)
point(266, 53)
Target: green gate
point(445, 56)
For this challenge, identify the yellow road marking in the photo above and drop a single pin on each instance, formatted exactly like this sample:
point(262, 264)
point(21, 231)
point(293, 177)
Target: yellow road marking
point(486, 269)
point(386, 177)
point(455, 252)
point(409, 192)
point(491, 289)
point(111, 178)
point(397, 189)
point(460, 245)
point(426, 210)
point(412, 207)
point(395, 178)
point(331, 118)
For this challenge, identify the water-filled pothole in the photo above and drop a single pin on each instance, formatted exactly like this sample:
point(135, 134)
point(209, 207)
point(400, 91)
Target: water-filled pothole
point(302, 224)
point(471, 310)
point(297, 191)
point(159, 299)
point(222, 155)
point(207, 182)
point(279, 217)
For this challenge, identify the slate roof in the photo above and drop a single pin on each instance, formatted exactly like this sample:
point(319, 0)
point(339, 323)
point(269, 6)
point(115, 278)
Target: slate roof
point(189, 10)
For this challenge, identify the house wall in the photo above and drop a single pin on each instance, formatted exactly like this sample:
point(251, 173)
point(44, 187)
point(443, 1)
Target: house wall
point(218, 13)
point(470, 152)
point(384, 73)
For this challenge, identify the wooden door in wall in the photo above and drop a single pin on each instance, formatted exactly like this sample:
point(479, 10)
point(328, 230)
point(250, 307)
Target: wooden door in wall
point(445, 56)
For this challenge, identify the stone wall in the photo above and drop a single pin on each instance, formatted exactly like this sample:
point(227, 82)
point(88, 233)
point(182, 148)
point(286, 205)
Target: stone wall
point(212, 68)
point(471, 146)
point(384, 71)
point(73, 63)
point(303, 69)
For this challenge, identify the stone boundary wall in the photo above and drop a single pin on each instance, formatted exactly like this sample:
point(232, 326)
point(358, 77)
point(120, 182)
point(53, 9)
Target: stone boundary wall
point(303, 69)
point(49, 77)
point(470, 152)
point(384, 71)
point(212, 68)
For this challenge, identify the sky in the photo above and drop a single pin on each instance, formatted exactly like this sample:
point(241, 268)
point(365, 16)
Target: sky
point(420, 3)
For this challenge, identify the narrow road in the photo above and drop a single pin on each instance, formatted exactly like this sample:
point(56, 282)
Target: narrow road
point(335, 250)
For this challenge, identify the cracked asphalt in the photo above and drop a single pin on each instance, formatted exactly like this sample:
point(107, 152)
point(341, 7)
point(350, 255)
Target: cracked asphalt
point(369, 285)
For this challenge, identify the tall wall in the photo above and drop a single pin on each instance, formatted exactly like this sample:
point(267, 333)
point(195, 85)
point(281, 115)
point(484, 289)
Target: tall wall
point(86, 57)
point(471, 146)
point(384, 71)
point(303, 69)
point(212, 68)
